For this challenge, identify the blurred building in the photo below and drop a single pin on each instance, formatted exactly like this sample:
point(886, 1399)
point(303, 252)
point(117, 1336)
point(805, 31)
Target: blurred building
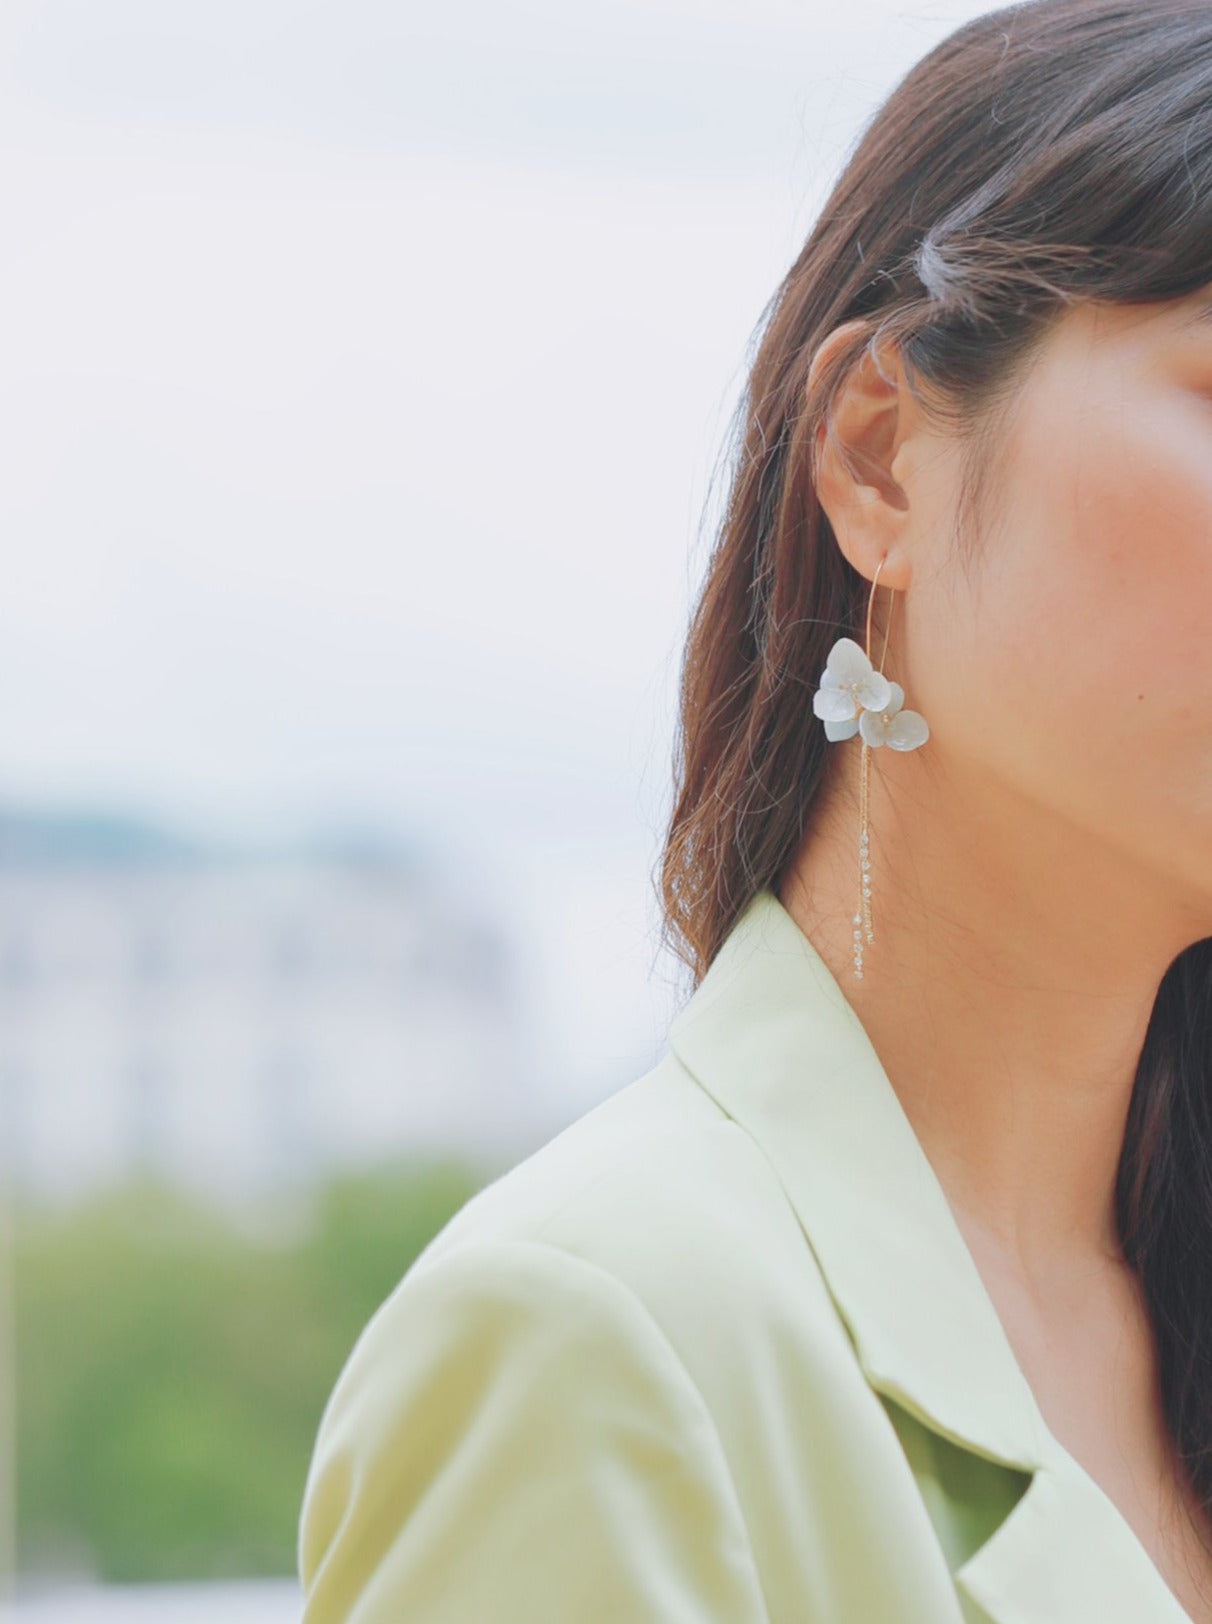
point(235, 1019)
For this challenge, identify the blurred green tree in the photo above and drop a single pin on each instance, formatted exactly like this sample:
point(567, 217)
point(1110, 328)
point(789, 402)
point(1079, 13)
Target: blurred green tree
point(171, 1370)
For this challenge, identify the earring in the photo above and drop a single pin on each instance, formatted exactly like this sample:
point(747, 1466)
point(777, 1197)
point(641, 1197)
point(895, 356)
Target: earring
point(853, 698)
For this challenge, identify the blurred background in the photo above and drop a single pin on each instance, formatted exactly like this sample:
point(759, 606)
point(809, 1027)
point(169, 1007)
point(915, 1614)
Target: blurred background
point(365, 373)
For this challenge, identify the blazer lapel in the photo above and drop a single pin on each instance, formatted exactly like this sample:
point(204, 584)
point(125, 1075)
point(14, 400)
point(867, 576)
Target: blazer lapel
point(771, 1036)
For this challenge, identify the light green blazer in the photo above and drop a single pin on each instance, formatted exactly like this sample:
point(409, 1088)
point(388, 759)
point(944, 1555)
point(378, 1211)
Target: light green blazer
point(716, 1352)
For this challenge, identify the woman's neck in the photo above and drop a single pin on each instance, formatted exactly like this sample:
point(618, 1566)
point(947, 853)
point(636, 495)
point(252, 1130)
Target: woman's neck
point(1007, 993)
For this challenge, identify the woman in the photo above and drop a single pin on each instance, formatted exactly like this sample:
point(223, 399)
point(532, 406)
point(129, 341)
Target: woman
point(885, 1297)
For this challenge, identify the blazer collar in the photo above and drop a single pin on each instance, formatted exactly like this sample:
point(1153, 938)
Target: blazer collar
point(770, 1035)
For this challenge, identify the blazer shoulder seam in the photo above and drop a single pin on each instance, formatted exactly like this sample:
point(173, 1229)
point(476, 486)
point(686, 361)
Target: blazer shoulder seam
point(632, 1306)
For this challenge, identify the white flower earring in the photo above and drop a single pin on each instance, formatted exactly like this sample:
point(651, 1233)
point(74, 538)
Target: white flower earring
point(854, 697)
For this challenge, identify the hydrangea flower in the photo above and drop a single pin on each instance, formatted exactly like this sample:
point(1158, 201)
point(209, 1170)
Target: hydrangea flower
point(849, 684)
point(897, 728)
point(855, 698)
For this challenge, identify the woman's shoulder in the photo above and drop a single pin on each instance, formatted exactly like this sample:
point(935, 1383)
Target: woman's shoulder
point(668, 1216)
point(660, 1188)
point(615, 1348)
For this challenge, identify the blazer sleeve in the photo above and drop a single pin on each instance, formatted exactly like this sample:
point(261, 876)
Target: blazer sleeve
point(512, 1439)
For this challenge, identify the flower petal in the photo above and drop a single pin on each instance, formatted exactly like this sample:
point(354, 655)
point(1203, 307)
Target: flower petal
point(873, 727)
point(833, 704)
point(874, 691)
point(847, 661)
point(897, 700)
point(844, 729)
point(907, 730)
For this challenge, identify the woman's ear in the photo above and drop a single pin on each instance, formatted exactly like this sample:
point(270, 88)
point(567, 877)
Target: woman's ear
point(873, 412)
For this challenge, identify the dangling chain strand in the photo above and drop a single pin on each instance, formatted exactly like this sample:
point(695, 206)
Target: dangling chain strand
point(853, 698)
point(862, 917)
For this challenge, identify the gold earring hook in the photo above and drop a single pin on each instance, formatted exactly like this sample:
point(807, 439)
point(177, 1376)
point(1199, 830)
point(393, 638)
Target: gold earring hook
point(870, 607)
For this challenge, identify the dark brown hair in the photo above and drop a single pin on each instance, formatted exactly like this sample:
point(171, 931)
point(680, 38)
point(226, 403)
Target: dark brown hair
point(1044, 153)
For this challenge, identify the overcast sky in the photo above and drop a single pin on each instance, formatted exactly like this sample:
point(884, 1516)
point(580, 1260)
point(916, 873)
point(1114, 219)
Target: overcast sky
point(364, 367)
